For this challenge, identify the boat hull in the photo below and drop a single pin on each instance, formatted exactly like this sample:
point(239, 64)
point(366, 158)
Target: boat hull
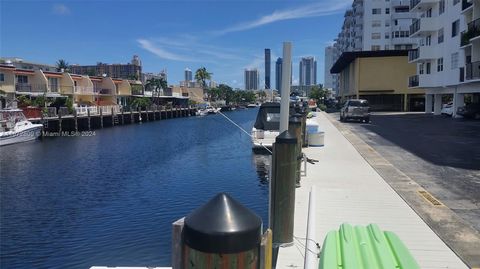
point(26, 135)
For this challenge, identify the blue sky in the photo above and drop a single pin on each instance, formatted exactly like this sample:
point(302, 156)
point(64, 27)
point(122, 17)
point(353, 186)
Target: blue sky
point(224, 36)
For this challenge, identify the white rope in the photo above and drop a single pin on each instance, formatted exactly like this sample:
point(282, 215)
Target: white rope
point(243, 130)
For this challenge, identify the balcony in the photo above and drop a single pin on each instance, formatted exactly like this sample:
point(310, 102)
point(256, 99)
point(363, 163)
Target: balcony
point(53, 87)
point(401, 41)
point(417, 5)
point(413, 81)
point(472, 71)
point(424, 26)
point(102, 91)
point(413, 55)
point(400, 3)
point(66, 89)
point(83, 90)
point(473, 31)
point(30, 88)
point(466, 4)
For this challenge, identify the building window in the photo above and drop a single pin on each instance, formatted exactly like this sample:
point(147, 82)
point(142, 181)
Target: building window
point(428, 68)
point(376, 47)
point(421, 68)
point(387, 36)
point(22, 79)
point(441, 7)
point(455, 28)
point(440, 36)
point(2, 77)
point(428, 40)
point(387, 47)
point(387, 23)
point(396, 22)
point(376, 36)
point(387, 11)
point(429, 13)
point(440, 65)
point(456, 2)
point(376, 23)
point(402, 9)
point(376, 11)
point(454, 60)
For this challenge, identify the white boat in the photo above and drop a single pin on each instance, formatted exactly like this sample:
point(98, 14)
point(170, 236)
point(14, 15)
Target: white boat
point(201, 112)
point(15, 128)
point(267, 125)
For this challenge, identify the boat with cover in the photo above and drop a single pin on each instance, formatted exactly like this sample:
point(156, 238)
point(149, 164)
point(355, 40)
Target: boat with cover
point(267, 125)
point(15, 128)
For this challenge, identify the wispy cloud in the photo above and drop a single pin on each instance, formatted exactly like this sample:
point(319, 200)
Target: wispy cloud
point(161, 52)
point(187, 48)
point(312, 10)
point(60, 9)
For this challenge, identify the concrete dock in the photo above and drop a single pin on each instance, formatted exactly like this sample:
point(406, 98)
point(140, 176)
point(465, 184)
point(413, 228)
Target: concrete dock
point(349, 189)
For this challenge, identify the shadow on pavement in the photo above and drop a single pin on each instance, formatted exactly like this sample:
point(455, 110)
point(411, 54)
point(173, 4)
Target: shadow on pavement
point(436, 139)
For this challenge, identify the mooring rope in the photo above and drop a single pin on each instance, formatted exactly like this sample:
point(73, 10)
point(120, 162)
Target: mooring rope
point(243, 130)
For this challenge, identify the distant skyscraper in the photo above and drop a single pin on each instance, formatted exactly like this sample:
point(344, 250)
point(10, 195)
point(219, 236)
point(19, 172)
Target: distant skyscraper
point(267, 68)
point(188, 74)
point(308, 71)
point(329, 61)
point(278, 74)
point(251, 79)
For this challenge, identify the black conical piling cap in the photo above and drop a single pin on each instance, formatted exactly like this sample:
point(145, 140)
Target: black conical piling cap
point(286, 138)
point(222, 225)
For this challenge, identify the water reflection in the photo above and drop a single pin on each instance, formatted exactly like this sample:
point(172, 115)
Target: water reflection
point(263, 166)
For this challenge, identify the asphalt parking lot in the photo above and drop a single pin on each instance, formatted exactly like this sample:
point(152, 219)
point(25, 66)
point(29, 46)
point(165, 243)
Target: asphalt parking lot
point(439, 153)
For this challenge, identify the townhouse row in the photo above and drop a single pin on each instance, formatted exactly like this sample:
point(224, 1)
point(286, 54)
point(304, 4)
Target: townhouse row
point(84, 90)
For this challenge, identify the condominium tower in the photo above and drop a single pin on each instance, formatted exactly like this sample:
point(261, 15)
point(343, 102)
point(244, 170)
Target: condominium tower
point(267, 68)
point(188, 75)
point(308, 71)
point(251, 79)
point(278, 75)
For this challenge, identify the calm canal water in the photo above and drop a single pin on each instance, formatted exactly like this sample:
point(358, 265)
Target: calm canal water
point(110, 199)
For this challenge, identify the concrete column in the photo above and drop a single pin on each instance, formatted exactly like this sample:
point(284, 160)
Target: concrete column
point(428, 103)
point(458, 101)
point(405, 102)
point(437, 104)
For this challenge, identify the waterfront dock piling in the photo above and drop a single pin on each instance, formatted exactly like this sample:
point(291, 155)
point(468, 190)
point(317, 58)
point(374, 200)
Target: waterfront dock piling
point(282, 189)
point(231, 238)
point(295, 127)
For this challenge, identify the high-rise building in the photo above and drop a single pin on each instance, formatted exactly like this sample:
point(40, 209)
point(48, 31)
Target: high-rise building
point(278, 74)
point(251, 79)
point(308, 71)
point(188, 75)
point(328, 78)
point(132, 70)
point(267, 68)
point(448, 52)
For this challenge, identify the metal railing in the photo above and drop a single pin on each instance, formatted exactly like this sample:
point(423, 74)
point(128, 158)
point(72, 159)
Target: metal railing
point(27, 87)
point(472, 71)
point(473, 30)
point(414, 3)
point(413, 81)
point(413, 54)
point(95, 110)
point(466, 4)
point(415, 26)
point(53, 87)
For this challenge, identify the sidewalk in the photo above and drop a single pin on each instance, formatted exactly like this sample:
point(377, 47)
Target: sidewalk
point(348, 189)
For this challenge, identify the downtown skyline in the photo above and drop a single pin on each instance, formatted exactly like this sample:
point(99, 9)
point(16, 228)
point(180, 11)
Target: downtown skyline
point(224, 44)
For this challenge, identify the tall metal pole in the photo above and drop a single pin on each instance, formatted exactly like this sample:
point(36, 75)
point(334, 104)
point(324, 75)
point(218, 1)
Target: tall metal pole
point(286, 75)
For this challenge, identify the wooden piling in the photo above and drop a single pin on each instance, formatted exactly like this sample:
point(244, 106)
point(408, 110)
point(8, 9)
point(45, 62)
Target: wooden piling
point(60, 123)
point(123, 117)
point(113, 118)
point(177, 243)
point(75, 118)
point(89, 120)
point(101, 118)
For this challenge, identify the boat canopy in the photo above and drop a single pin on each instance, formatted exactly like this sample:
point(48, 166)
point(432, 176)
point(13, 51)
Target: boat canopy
point(268, 117)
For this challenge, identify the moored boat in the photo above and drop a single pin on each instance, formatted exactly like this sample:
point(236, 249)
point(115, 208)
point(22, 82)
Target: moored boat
point(15, 128)
point(267, 125)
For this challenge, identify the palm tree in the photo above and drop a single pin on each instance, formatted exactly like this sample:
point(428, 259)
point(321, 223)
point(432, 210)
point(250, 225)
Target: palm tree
point(62, 64)
point(155, 84)
point(202, 75)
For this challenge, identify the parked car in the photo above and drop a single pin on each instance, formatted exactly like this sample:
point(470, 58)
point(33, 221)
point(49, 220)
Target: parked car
point(447, 109)
point(471, 110)
point(355, 109)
